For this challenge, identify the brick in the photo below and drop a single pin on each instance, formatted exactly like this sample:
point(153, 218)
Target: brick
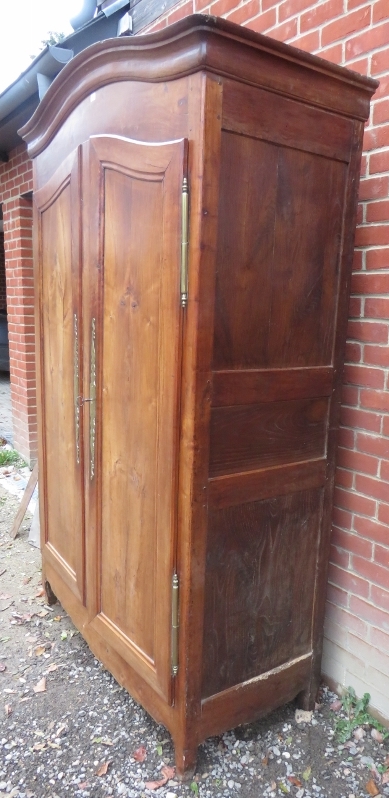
point(319, 14)
point(181, 12)
point(379, 639)
point(349, 582)
point(371, 487)
point(357, 259)
point(385, 426)
point(377, 259)
point(380, 112)
point(362, 419)
point(381, 556)
point(221, 7)
point(370, 283)
point(383, 89)
point(376, 355)
point(368, 40)
point(346, 438)
point(285, 31)
point(372, 444)
point(348, 500)
point(377, 211)
point(350, 395)
point(339, 614)
point(343, 478)
point(310, 42)
point(337, 596)
point(368, 331)
point(245, 12)
point(377, 308)
point(355, 306)
point(291, 7)
point(374, 188)
point(263, 21)
point(364, 463)
point(380, 11)
point(352, 543)
point(375, 138)
point(342, 520)
point(372, 235)
point(380, 597)
point(380, 61)
point(364, 376)
point(353, 352)
point(338, 557)
point(379, 162)
point(372, 571)
point(349, 23)
point(375, 400)
point(384, 474)
point(369, 613)
point(333, 53)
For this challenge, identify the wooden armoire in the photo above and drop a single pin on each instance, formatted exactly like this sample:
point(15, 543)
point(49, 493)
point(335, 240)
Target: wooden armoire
point(195, 196)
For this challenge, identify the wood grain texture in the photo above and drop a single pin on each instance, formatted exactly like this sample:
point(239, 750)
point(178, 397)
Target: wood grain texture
point(58, 300)
point(195, 43)
point(250, 486)
point(250, 700)
point(277, 269)
point(261, 568)
point(242, 387)
point(246, 437)
point(285, 122)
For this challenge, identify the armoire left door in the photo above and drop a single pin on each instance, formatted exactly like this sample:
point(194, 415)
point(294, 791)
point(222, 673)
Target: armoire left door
point(110, 365)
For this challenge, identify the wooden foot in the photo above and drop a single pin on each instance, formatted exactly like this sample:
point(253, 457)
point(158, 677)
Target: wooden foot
point(51, 597)
point(185, 763)
point(307, 698)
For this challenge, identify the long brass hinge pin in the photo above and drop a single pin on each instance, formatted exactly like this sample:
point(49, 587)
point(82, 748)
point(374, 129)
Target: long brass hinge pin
point(175, 625)
point(184, 243)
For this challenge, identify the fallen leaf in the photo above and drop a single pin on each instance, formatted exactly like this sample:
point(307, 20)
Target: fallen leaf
point(359, 733)
point(83, 785)
point(372, 788)
point(265, 761)
point(41, 686)
point(58, 618)
point(153, 785)
point(102, 770)
point(42, 613)
point(385, 777)
point(283, 788)
point(336, 705)
point(39, 651)
point(39, 747)
point(376, 735)
point(8, 710)
point(295, 781)
point(52, 667)
point(27, 579)
point(41, 592)
point(53, 745)
point(140, 754)
point(159, 750)
point(273, 785)
point(307, 772)
point(168, 772)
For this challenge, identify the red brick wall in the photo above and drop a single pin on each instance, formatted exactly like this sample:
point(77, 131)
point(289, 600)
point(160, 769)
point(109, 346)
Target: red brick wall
point(15, 180)
point(3, 300)
point(354, 33)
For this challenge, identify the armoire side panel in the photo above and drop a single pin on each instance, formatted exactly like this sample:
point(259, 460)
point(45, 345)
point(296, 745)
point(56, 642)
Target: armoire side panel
point(280, 223)
point(259, 582)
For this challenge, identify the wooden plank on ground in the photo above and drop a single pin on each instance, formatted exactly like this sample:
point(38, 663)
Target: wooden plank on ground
point(25, 501)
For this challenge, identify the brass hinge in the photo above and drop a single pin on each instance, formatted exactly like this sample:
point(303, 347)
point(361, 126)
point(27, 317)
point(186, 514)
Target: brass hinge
point(175, 625)
point(184, 243)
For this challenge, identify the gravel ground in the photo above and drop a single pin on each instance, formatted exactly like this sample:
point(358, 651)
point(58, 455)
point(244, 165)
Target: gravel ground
point(68, 729)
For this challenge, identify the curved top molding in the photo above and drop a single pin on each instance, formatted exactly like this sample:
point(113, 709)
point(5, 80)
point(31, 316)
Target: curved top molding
point(196, 43)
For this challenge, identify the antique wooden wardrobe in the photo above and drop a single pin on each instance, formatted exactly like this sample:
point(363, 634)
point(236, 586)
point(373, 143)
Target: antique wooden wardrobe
point(189, 392)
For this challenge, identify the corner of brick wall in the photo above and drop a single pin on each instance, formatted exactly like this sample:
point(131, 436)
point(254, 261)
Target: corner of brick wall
point(352, 33)
point(16, 180)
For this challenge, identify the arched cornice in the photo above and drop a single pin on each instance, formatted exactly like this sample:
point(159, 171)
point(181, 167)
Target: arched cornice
point(195, 43)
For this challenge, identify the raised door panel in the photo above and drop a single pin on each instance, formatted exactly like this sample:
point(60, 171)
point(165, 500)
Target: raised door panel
point(57, 208)
point(138, 354)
